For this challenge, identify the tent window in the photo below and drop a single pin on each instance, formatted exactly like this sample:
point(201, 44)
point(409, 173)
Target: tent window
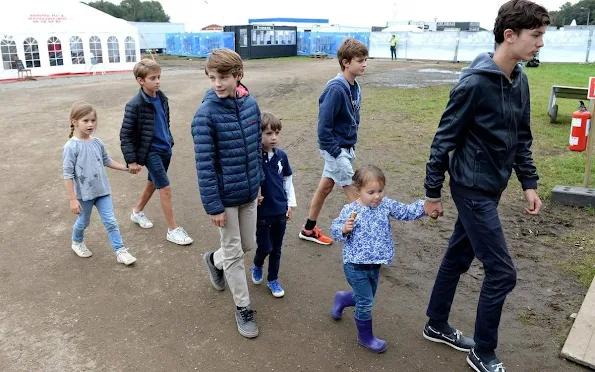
point(55, 51)
point(9, 51)
point(31, 53)
point(76, 51)
point(95, 47)
point(113, 50)
point(130, 49)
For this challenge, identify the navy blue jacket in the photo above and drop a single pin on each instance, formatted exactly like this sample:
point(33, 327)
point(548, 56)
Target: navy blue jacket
point(227, 147)
point(486, 125)
point(338, 116)
point(275, 170)
point(138, 127)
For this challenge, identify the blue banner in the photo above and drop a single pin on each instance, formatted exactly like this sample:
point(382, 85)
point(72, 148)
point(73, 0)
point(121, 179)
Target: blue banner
point(198, 44)
point(327, 42)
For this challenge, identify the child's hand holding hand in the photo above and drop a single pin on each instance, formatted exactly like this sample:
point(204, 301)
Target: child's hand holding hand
point(75, 206)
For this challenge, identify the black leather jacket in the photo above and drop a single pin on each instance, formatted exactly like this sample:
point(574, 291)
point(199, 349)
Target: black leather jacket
point(486, 126)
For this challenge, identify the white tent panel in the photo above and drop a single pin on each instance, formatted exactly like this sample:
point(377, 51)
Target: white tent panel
point(64, 37)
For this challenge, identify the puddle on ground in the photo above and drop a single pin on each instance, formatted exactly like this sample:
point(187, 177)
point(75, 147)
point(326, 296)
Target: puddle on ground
point(438, 71)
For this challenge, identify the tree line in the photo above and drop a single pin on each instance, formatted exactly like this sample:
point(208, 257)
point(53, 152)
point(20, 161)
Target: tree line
point(133, 10)
point(581, 12)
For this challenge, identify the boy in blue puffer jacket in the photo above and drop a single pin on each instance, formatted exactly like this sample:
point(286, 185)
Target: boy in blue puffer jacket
point(227, 146)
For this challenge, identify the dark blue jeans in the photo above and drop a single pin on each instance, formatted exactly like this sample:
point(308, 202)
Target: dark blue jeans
point(269, 237)
point(363, 279)
point(477, 233)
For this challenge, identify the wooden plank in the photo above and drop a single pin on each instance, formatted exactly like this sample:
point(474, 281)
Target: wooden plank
point(580, 344)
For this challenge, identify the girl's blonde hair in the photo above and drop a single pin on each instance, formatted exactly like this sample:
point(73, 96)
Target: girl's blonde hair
point(368, 173)
point(78, 111)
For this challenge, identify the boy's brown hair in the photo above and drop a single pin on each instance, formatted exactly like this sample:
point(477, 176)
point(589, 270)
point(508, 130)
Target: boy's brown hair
point(268, 120)
point(224, 61)
point(517, 15)
point(145, 67)
point(351, 48)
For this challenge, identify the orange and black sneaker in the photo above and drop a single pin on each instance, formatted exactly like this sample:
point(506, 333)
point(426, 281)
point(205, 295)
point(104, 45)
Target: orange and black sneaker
point(315, 235)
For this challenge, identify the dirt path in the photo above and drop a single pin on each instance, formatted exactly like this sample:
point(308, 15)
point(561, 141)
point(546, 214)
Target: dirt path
point(63, 313)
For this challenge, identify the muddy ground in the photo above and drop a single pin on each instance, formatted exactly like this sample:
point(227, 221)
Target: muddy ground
point(63, 313)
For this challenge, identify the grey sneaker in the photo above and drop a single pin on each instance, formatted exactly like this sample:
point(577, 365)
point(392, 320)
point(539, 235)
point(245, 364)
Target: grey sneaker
point(216, 275)
point(81, 249)
point(245, 320)
point(124, 257)
point(141, 219)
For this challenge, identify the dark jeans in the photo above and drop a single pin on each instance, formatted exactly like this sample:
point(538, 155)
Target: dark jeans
point(393, 52)
point(157, 165)
point(363, 279)
point(269, 237)
point(477, 233)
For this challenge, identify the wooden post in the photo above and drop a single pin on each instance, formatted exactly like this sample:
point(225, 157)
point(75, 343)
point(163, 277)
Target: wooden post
point(590, 141)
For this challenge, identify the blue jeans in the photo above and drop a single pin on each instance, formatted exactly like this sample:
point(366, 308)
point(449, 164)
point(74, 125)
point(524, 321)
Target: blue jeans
point(363, 280)
point(269, 237)
point(477, 233)
point(157, 165)
point(105, 207)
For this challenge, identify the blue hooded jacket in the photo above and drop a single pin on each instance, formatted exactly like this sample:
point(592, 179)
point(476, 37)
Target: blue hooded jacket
point(227, 147)
point(486, 126)
point(338, 115)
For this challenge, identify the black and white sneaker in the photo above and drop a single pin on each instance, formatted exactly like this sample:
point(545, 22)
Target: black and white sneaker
point(479, 365)
point(456, 340)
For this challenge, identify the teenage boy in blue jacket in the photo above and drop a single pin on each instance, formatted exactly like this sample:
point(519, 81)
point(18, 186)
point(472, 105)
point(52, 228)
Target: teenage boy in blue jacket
point(338, 123)
point(227, 146)
point(486, 126)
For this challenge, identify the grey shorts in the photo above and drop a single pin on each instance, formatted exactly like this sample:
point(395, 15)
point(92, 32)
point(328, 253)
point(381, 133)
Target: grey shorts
point(339, 169)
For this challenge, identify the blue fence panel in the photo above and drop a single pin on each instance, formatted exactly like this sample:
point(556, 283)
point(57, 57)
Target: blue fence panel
point(198, 44)
point(327, 42)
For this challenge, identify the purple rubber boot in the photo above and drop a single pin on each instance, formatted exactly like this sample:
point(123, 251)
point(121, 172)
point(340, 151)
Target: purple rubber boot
point(343, 299)
point(366, 338)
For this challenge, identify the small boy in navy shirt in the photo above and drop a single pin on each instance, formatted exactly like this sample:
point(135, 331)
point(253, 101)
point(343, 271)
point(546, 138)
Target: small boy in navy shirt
point(275, 203)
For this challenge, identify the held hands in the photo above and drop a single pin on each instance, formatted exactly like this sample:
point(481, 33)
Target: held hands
point(219, 220)
point(289, 214)
point(134, 168)
point(75, 206)
point(534, 203)
point(433, 209)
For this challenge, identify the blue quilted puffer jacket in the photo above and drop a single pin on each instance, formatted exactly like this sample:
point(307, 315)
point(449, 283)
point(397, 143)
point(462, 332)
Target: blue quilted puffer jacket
point(227, 147)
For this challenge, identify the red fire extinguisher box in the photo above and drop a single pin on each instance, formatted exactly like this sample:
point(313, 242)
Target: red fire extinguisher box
point(579, 129)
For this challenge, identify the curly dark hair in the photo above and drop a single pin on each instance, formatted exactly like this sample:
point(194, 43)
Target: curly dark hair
point(518, 15)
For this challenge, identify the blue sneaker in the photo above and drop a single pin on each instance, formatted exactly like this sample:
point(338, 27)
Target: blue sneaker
point(256, 274)
point(276, 288)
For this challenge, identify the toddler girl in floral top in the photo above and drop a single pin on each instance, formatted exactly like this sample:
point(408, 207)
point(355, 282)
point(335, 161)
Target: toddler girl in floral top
point(364, 227)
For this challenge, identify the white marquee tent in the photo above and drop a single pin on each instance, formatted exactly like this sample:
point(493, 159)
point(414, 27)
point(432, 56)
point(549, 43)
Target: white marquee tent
point(53, 37)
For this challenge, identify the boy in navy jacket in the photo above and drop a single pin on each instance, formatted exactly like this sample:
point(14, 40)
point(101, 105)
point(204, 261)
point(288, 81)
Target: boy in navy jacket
point(278, 197)
point(338, 123)
point(227, 146)
point(486, 130)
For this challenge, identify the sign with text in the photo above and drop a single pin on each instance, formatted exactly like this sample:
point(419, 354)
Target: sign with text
point(591, 94)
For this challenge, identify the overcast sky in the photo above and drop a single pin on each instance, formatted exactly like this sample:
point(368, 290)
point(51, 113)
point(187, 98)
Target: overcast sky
point(198, 13)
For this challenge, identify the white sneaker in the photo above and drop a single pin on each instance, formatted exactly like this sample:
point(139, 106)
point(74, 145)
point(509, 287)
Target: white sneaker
point(81, 249)
point(179, 236)
point(124, 257)
point(141, 219)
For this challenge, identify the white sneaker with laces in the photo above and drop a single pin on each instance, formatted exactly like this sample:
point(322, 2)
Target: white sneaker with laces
point(124, 257)
point(141, 219)
point(81, 249)
point(179, 236)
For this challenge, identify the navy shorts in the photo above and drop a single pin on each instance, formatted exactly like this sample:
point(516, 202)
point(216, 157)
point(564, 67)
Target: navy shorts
point(157, 165)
